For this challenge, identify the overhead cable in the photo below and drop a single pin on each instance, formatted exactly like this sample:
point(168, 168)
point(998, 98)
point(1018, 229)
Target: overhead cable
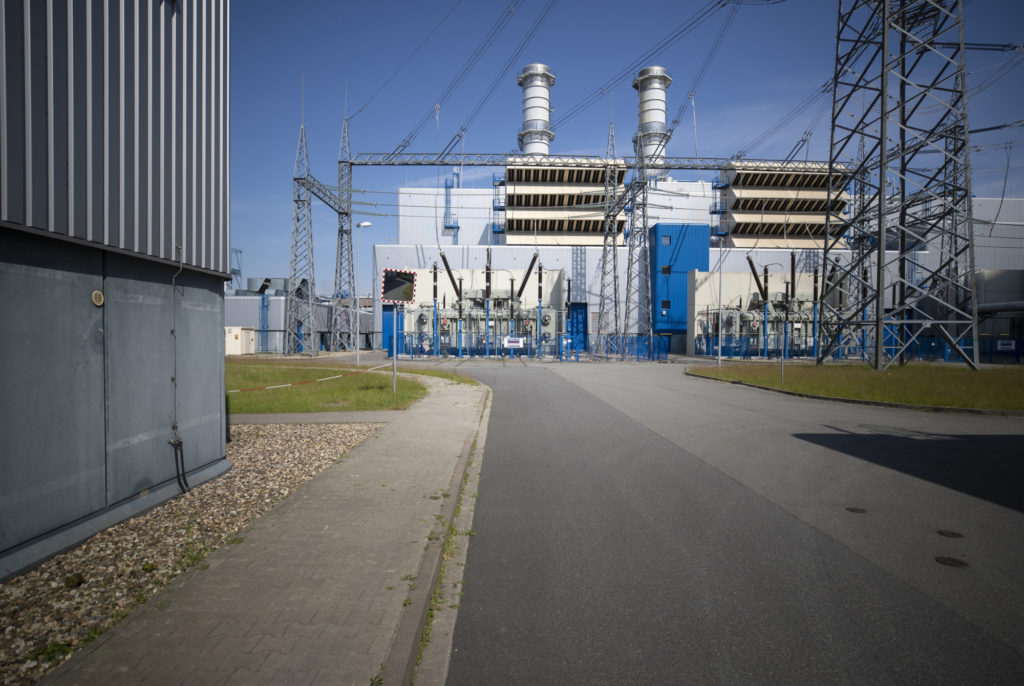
point(474, 58)
point(677, 34)
point(407, 60)
point(500, 76)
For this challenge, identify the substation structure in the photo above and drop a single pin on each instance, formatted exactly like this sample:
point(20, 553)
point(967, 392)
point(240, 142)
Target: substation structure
point(610, 240)
point(868, 255)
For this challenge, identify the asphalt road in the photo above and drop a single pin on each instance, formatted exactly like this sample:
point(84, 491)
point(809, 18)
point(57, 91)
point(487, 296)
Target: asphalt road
point(636, 526)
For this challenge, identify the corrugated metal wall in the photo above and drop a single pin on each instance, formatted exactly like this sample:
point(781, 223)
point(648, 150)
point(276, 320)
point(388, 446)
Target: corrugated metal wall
point(114, 123)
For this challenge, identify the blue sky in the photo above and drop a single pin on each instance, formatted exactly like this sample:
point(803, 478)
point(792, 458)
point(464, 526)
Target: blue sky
point(773, 57)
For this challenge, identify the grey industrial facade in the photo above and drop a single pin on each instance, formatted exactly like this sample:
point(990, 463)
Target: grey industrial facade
point(114, 194)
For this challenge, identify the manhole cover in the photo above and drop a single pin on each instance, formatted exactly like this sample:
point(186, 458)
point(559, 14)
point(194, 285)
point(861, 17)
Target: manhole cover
point(950, 561)
point(856, 510)
point(949, 534)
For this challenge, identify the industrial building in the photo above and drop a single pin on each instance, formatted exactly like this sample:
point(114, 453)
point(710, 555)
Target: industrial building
point(114, 239)
point(547, 220)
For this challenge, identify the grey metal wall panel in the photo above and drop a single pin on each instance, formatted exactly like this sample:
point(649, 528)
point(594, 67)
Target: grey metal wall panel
point(59, 120)
point(13, 149)
point(140, 366)
point(114, 124)
point(36, 130)
point(51, 361)
point(200, 372)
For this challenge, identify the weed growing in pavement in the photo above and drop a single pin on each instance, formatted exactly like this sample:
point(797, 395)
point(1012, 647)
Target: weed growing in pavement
point(51, 653)
point(194, 554)
point(378, 678)
point(234, 540)
point(407, 602)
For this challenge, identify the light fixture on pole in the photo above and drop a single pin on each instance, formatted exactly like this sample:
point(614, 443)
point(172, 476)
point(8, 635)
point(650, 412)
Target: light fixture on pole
point(719, 240)
point(355, 264)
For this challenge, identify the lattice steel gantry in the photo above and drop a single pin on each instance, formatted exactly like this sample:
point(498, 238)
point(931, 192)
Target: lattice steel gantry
point(300, 326)
point(899, 139)
point(609, 326)
point(343, 319)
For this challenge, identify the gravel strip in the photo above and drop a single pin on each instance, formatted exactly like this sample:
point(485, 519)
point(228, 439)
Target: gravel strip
point(74, 597)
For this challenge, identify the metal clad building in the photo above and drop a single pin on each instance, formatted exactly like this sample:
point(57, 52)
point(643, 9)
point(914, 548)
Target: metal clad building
point(114, 237)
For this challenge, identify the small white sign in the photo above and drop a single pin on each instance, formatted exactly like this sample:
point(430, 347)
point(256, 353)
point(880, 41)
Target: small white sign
point(513, 342)
point(1006, 345)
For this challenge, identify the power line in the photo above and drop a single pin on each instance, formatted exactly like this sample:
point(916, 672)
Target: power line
point(474, 58)
point(677, 34)
point(407, 60)
point(500, 76)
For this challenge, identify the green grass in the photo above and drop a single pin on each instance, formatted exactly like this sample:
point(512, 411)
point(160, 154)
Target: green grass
point(352, 392)
point(451, 376)
point(933, 385)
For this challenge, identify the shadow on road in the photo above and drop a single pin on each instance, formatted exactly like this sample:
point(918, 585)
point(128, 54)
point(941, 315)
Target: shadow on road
point(990, 467)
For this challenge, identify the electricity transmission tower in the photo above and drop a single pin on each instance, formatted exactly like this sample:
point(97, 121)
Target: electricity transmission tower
point(343, 320)
point(300, 326)
point(638, 275)
point(899, 142)
point(609, 325)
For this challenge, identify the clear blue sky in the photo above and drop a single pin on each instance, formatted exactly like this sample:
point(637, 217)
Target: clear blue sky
point(773, 57)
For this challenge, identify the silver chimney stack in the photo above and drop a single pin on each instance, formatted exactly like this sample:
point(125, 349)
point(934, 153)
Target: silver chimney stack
point(650, 137)
point(536, 81)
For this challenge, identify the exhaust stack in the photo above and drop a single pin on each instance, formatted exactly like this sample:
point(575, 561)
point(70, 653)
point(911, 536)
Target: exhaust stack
point(536, 81)
point(651, 135)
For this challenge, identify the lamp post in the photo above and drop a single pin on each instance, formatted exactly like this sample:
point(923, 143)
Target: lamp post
point(355, 264)
point(720, 241)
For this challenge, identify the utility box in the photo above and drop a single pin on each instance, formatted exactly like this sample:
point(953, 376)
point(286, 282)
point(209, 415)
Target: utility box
point(239, 340)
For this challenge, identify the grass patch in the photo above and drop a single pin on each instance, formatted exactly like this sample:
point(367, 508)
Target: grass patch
point(999, 388)
point(350, 392)
point(450, 376)
point(51, 653)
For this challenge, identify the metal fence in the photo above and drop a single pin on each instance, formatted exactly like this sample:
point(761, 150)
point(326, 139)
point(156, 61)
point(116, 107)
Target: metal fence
point(561, 347)
point(991, 349)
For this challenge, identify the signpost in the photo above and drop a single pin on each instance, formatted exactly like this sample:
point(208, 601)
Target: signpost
point(398, 287)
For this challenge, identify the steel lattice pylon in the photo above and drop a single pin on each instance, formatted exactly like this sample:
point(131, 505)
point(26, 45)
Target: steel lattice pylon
point(638, 275)
point(299, 322)
point(608, 322)
point(343, 319)
point(899, 142)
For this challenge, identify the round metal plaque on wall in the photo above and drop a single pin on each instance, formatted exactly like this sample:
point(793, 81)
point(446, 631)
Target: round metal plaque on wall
point(97, 298)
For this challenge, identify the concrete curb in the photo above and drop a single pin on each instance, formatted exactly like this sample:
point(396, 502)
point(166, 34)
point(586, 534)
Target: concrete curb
point(400, 663)
point(857, 401)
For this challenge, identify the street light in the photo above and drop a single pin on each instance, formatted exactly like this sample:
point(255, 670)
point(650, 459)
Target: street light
point(355, 264)
point(720, 241)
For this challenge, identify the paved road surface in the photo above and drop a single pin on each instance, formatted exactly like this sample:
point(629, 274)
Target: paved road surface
point(637, 526)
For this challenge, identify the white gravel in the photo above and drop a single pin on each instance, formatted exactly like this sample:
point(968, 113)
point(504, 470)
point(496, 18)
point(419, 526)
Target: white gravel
point(74, 597)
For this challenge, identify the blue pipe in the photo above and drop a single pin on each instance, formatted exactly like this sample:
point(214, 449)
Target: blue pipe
point(814, 333)
point(460, 339)
point(437, 350)
point(765, 330)
point(487, 328)
point(540, 317)
point(785, 340)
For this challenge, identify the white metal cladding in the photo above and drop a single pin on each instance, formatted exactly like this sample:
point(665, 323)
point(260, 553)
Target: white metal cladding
point(114, 119)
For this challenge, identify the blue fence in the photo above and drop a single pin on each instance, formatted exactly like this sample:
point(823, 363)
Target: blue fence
point(567, 348)
point(991, 349)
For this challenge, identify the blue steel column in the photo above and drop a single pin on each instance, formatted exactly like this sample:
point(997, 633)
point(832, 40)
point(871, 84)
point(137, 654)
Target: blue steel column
point(764, 327)
point(437, 347)
point(814, 331)
point(487, 327)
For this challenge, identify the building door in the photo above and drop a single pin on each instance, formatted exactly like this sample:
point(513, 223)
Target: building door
point(576, 327)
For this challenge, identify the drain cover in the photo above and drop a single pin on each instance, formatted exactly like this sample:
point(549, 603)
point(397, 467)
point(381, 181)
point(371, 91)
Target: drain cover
point(949, 534)
point(950, 561)
point(856, 510)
